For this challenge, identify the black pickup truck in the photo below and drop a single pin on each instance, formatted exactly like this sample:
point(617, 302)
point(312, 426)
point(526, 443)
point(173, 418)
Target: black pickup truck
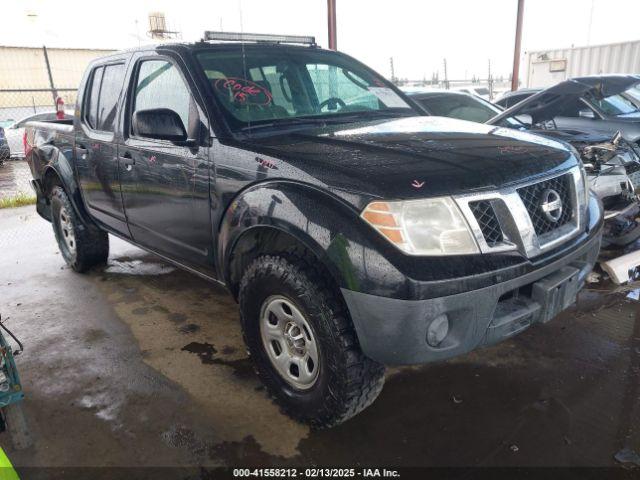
point(354, 230)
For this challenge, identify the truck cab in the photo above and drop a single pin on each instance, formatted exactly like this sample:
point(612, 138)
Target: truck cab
point(354, 230)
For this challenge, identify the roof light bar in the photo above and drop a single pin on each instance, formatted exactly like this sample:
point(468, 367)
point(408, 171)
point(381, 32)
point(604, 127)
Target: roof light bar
point(258, 37)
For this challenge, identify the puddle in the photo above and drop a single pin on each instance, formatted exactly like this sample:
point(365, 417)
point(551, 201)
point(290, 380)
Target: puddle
point(211, 365)
point(189, 328)
point(179, 436)
point(242, 367)
point(14, 178)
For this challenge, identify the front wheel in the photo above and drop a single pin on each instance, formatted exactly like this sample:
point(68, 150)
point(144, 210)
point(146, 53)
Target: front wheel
point(302, 342)
point(82, 245)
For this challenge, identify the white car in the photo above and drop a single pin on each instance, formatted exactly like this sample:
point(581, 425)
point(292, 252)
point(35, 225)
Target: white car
point(15, 131)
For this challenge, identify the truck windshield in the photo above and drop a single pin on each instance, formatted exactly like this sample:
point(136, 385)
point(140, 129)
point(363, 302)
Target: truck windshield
point(280, 86)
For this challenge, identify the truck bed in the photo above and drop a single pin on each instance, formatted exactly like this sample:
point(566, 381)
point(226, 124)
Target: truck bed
point(62, 126)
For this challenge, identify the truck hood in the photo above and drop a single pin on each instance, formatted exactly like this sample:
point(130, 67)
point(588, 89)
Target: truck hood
point(549, 103)
point(415, 157)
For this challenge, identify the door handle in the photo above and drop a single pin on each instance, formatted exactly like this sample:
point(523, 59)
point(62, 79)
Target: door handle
point(81, 151)
point(128, 161)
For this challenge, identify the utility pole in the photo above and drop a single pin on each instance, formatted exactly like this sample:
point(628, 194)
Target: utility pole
point(331, 23)
point(393, 72)
point(490, 81)
point(518, 46)
point(446, 78)
point(54, 92)
point(590, 23)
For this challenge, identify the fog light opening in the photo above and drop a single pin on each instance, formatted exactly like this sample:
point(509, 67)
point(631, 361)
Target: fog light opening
point(438, 330)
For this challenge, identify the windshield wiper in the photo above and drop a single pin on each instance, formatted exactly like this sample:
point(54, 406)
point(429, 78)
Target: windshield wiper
point(325, 120)
point(331, 120)
point(401, 112)
point(285, 122)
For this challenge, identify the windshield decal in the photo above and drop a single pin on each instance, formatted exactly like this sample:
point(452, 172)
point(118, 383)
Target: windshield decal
point(244, 91)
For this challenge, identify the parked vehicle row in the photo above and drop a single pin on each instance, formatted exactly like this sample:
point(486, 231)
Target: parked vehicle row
point(354, 230)
point(5, 151)
point(12, 134)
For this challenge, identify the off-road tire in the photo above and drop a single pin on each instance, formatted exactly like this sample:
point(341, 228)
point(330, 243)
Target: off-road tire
point(347, 380)
point(91, 243)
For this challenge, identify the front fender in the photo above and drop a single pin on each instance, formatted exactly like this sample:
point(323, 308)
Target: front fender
point(327, 226)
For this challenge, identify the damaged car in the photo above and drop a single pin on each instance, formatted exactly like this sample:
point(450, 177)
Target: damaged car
point(599, 118)
point(611, 162)
point(602, 104)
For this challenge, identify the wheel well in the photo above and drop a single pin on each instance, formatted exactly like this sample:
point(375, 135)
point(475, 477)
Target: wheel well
point(50, 180)
point(264, 241)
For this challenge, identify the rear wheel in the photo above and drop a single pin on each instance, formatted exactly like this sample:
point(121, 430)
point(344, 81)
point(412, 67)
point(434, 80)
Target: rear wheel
point(82, 246)
point(302, 341)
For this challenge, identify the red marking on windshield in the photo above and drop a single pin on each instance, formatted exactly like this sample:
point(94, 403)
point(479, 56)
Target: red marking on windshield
point(244, 91)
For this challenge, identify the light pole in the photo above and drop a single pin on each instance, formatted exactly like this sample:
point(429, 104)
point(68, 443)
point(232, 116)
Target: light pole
point(331, 19)
point(518, 45)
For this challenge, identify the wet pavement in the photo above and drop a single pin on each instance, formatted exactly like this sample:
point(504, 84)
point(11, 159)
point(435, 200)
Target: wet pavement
point(139, 363)
point(14, 178)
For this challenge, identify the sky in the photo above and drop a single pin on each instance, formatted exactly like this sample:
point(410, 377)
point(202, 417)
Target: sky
point(418, 34)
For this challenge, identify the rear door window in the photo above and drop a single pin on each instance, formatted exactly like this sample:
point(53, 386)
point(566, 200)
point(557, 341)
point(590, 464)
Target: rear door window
point(91, 104)
point(112, 80)
point(102, 98)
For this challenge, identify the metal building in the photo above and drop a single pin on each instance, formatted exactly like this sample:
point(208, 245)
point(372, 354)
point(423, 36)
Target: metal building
point(548, 67)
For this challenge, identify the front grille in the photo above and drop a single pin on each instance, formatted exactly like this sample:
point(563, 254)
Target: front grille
point(488, 221)
point(531, 196)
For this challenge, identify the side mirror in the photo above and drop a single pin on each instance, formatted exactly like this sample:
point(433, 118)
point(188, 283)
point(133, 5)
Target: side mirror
point(586, 113)
point(159, 124)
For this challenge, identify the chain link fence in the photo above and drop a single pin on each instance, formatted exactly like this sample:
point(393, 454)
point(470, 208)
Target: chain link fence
point(31, 79)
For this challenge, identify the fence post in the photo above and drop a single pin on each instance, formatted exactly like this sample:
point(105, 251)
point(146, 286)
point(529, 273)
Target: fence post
point(54, 92)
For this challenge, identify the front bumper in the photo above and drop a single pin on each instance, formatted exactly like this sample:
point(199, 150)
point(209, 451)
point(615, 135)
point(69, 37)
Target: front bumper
point(394, 332)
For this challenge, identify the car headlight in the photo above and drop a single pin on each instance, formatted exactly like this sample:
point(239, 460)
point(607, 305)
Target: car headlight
point(431, 226)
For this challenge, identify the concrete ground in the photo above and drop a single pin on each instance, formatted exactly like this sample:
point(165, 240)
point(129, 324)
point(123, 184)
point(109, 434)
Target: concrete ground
point(14, 178)
point(139, 363)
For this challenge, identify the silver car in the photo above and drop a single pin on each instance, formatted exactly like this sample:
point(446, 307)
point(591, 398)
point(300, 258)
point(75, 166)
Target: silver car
point(15, 131)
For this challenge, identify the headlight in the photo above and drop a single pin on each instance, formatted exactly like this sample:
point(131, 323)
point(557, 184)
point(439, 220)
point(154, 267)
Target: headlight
point(432, 226)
